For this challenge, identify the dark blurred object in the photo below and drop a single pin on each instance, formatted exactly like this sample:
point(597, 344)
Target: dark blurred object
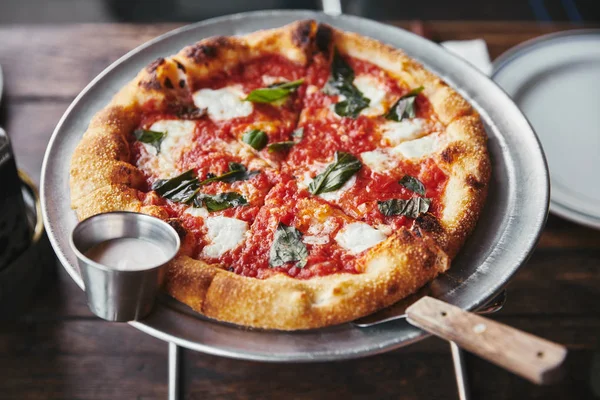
point(14, 230)
point(192, 10)
point(31, 270)
point(54, 11)
point(541, 10)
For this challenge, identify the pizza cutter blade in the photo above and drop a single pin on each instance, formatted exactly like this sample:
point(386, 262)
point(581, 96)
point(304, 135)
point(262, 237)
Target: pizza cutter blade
point(526, 355)
point(398, 310)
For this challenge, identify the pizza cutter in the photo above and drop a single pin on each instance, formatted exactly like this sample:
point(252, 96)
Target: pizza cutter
point(524, 354)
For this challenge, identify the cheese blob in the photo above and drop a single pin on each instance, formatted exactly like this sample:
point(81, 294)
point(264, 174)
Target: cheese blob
point(358, 237)
point(224, 234)
point(418, 148)
point(178, 138)
point(379, 161)
point(407, 129)
point(375, 91)
point(198, 212)
point(223, 104)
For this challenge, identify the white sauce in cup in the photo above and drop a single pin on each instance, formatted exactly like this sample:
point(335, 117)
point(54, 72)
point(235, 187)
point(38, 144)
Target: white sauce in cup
point(127, 254)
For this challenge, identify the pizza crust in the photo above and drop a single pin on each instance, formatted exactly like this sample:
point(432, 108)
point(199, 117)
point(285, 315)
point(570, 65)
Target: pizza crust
point(392, 270)
point(102, 180)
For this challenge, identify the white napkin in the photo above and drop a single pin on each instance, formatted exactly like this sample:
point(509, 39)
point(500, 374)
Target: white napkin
point(473, 51)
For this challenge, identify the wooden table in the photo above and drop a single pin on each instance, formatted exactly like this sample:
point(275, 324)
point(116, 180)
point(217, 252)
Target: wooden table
point(59, 350)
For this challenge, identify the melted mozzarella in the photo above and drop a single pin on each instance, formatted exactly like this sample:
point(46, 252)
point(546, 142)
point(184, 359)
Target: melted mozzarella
point(200, 212)
point(417, 148)
point(178, 137)
point(358, 236)
point(321, 228)
point(224, 103)
point(318, 231)
point(315, 239)
point(224, 234)
point(378, 161)
point(375, 91)
point(407, 129)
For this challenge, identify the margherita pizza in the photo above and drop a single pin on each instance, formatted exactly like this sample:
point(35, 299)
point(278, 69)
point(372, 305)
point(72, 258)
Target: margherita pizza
point(314, 175)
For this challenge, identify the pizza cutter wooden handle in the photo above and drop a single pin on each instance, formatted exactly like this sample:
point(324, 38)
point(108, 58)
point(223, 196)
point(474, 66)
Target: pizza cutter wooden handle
point(526, 355)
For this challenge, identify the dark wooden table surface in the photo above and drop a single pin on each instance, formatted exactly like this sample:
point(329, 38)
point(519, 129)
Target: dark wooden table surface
point(57, 349)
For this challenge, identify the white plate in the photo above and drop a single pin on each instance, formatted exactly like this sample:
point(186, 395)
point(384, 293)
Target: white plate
point(555, 80)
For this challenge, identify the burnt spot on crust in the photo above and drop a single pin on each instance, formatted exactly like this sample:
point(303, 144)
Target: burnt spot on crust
point(324, 39)
point(393, 289)
point(429, 223)
point(151, 68)
point(302, 34)
point(450, 153)
point(175, 224)
point(150, 84)
point(407, 237)
point(168, 83)
point(474, 182)
point(430, 259)
point(181, 83)
point(180, 65)
point(447, 155)
point(204, 52)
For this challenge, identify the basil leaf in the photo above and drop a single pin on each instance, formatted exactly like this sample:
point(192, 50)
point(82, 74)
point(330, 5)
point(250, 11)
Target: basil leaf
point(340, 69)
point(336, 174)
point(221, 201)
point(411, 208)
point(280, 146)
point(237, 172)
point(405, 106)
point(287, 247)
point(352, 106)
point(180, 188)
point(292, 85)
point(236, 166)
point(255, 138)
point(413, 184)
point(153, 138)
point(341, 82)
point(274, 92)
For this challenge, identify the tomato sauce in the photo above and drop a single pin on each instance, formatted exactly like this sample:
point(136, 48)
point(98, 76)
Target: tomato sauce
point(274, 196)
point(284, 204)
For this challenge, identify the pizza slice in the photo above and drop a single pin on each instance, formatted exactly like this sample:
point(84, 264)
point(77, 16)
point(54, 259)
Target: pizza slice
point(254, 90)
point(304, 263)
point(388, 142)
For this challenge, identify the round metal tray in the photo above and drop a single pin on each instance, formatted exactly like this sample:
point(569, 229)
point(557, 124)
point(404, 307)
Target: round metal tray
point(505, 236)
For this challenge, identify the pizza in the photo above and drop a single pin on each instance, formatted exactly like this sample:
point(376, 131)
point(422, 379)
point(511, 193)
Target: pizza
point(314, 175)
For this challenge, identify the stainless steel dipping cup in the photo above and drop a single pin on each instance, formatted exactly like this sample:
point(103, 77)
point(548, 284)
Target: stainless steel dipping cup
point(122, 295)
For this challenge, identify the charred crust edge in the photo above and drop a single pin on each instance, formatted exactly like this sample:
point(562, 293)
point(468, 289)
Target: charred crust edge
point(474, 182)
point(204, 52)
point(429, 223)
point(324, 39)
point(301, 36)
point(153, 66)
point(180, 66)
